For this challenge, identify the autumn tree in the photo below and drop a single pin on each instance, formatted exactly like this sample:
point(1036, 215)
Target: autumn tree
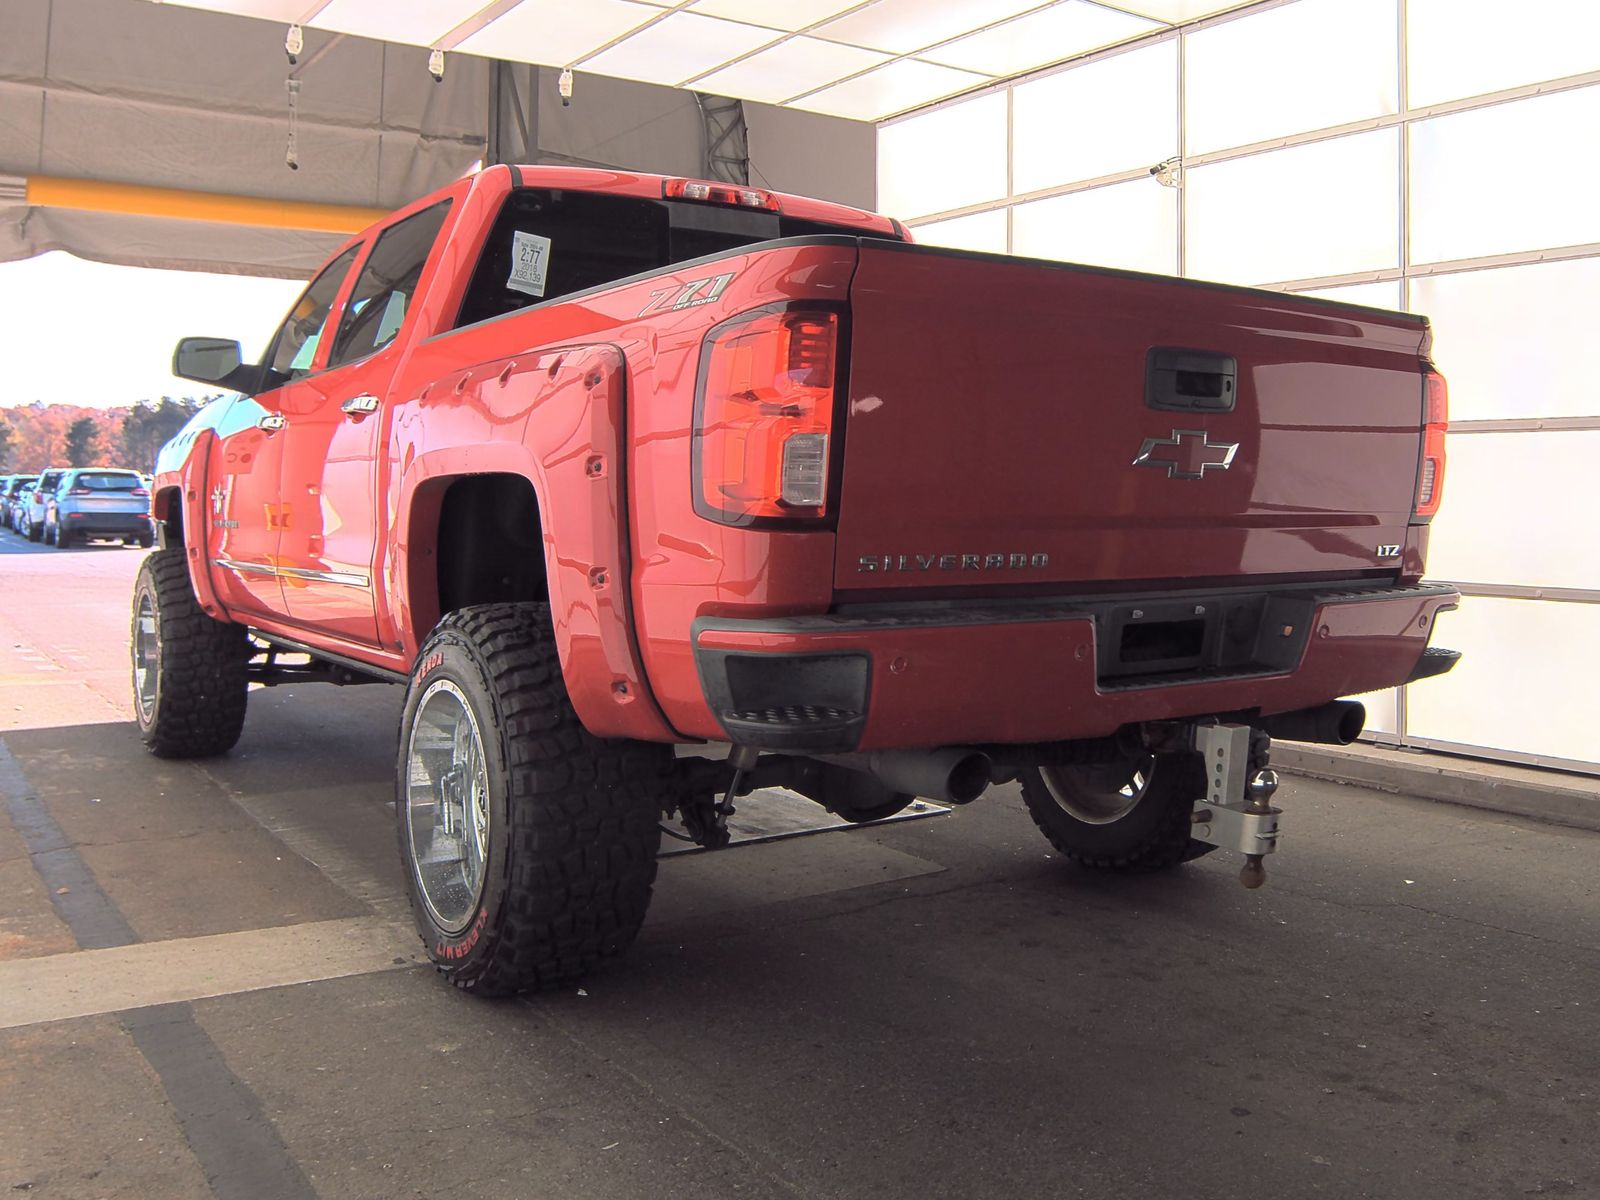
point(83, 442)
point(151, 425)
point(39, 430)
point(8, 443)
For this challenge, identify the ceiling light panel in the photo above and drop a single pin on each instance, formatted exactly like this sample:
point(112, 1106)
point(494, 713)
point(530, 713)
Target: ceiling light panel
point(414, 22)
point(1176, 11)
point(557, 32)
point(775, 14)
point(679, 48)
point(904, 26)
point(1056, 33)
point(793, 66)
point(889, 90)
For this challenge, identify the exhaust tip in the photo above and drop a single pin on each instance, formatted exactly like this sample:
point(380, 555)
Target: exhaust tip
point(1352, 720)
point(969, 778)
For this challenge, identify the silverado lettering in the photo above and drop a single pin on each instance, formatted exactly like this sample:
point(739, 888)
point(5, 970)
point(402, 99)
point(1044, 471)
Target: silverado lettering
point(952, 562)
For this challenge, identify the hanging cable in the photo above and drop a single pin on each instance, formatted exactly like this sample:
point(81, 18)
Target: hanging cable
point(292, 155)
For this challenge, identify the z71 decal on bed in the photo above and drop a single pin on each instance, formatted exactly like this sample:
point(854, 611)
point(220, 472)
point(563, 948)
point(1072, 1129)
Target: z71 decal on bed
point(696, 291)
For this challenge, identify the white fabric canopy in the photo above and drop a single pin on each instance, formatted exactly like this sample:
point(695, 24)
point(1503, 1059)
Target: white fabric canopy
point(137, 93)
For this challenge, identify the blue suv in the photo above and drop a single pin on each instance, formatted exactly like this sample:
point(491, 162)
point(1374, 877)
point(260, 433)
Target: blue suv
point(99, 502)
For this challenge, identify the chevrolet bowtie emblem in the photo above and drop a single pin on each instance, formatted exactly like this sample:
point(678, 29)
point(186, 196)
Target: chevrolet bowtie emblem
point(1187, 454)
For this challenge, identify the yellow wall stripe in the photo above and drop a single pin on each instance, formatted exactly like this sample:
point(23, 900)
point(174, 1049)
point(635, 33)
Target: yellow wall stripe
point(51, 191)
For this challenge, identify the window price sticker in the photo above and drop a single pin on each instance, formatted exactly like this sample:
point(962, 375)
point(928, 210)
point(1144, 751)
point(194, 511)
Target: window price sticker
point(530, 262)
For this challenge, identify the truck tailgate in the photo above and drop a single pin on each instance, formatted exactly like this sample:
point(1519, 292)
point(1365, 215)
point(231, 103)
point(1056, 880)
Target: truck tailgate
point(1021, 423)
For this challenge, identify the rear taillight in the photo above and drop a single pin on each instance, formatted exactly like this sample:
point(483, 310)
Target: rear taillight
point(719, 193)
point(763, 430)
point(1436, 421)
point(140, 492)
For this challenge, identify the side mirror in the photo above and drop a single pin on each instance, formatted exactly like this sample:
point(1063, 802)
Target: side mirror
point(206, 360)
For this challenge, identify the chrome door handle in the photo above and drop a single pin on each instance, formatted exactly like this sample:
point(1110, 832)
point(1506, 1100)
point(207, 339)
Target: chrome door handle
point(272, 422)
point(360, 406)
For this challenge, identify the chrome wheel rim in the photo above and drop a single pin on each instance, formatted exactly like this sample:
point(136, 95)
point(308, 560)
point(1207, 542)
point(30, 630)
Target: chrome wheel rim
point(146, 656)
point(447, 805)
point(1100, 793)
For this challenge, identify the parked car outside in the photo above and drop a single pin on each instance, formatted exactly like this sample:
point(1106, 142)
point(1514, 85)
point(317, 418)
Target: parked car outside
point(5, 489)
point(99, 502)
point(33, 501)
point(10, 498)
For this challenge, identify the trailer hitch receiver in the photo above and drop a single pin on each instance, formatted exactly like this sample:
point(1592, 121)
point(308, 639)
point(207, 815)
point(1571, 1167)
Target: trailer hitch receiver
point(1236, 812)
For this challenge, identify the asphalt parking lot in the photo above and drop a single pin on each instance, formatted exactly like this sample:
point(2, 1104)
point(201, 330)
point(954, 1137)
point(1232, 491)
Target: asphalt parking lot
point(209, 986)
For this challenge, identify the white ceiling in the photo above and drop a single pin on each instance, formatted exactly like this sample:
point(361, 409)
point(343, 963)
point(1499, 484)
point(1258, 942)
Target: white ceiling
point(846, 58)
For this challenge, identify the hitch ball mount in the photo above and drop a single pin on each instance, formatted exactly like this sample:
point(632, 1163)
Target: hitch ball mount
point(1237, 812)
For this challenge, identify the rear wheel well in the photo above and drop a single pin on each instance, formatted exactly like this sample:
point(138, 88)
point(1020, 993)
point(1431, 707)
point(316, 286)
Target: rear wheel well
point(490, 547)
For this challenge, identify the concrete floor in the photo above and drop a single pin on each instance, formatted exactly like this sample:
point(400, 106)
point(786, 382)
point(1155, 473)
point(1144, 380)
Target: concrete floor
point(941, 1008)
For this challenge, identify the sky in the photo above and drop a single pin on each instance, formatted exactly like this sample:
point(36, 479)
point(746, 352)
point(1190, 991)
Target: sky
point(84, 333)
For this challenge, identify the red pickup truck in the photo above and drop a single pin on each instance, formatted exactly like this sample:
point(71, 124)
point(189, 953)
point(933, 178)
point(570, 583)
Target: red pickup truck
point(650, 491)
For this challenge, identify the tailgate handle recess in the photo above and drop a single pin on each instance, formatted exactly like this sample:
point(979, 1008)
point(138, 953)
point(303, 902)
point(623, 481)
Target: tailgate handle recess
point(1190, 380)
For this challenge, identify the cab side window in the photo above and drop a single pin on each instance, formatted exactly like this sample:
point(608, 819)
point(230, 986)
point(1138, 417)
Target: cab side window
point(387, 282)
point(591, 238)
point(295, 347)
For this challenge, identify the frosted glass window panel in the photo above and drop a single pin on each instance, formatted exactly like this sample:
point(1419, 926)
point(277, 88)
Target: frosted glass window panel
point(286, 11)
point(1305, 66)
point(1459, 48)
point(1051, 35)
point(1508, 178)
point(1516, 341)
point(902, 26)
point(1129, 225)
point(776, 14)
point(895, 88)
point(950, 158)
point(1179, 10)
point(1327, 208)
point(795, 65)
point(1373, 295)
point(555, 31)
point(981, 231)
point(1544, 654)
point(678, 48)
point(1519, 508)
point(1118, 114)
point(1383, 710)
point(415, 24)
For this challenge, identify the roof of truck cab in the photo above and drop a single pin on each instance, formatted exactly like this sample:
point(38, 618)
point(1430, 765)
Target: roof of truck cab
point(635, 183)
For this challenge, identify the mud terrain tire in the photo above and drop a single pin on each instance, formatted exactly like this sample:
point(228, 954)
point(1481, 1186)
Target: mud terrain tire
point(567, 825)
point(1147, 829)
point(189, 681)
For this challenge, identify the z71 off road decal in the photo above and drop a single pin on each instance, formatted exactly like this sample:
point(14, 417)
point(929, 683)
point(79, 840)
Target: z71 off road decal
point(696, 291)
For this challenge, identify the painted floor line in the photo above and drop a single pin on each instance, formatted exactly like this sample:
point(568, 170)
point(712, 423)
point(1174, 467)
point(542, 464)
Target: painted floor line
point(91, 982)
